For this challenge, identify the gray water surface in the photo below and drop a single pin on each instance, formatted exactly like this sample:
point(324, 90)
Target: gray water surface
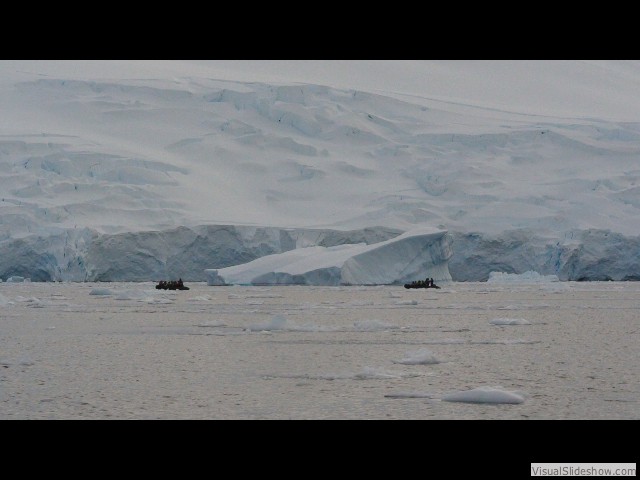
point(129, 351)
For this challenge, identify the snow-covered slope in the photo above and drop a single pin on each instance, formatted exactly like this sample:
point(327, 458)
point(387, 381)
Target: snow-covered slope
point(488, 150)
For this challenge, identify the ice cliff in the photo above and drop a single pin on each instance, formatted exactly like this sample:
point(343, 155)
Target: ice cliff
point(88, 255)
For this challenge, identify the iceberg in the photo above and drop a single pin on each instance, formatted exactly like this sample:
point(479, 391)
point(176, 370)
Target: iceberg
point(18, 279)
point(485, 395)
point(416, 254)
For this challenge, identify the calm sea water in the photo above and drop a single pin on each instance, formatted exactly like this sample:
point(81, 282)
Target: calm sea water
point(128, 351)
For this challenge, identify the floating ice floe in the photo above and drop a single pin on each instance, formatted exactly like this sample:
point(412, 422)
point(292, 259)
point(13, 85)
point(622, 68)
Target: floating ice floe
point(212, 323)
point(410, 395)
point(372, 326)
point(24, 361)
point(485, 395)
point(407, 302)
point(420, 357)
point(509, 321)
point(30, 301)
point(201, 298)
point(279, 323)
point(155, 300)
point(101, 291)
point(526, 277)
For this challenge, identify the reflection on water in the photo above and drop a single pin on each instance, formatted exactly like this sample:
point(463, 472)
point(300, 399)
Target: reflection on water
point(126, 350)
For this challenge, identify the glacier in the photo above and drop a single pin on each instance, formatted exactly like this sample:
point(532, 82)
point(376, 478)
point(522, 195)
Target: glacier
point(89, 255)
point(136, 171)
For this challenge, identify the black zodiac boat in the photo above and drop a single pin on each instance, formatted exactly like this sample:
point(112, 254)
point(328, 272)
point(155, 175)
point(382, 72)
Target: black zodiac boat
point(171, 285)
point(421, 284)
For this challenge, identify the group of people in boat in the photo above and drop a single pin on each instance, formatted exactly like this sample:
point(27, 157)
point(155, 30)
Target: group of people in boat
point(426, 283)
point(171, 285)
